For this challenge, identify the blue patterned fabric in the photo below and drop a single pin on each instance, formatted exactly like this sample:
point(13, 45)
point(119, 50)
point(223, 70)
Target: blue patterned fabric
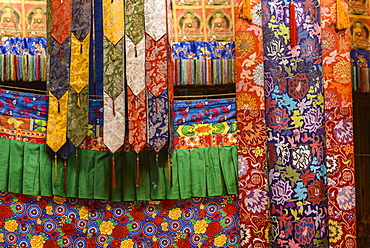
point(23, 105)
point(96, 116)
point(203, 50)
point(22, 46)
point(204, 111)
point(60, 59)
point(81, 18)
point(157, 120)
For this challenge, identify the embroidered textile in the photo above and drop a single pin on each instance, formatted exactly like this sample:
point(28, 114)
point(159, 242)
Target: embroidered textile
point(157, 120)
point(23, 105)
point(114, 121)
point(155, 18)
point(23, 46)
point(156, 65)
point(137, 116)
point(60, 60)
point(57, 126)
point(81, 18)
point(135, 65)
point(203, 50)
point(204, 111)
point(22, 135)
point(295, 127)
point(61, 20)
point(113, 20)
point(191, 142)
point(206, 129)
point(79, 63)
point(77, 119)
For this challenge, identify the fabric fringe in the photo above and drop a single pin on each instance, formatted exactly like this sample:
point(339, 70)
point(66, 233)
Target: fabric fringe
point(28, 68)
point(114, 181)
point(77, 162)
point(55, 168)
point(343, 21)
point(156, 170)
point(204, 71)
point(245, 11)
point(138, 177)
point(169, 163)
point(293, 25)
point(65, 175)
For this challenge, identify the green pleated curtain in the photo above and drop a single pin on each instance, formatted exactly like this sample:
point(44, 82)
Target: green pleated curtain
point(27, 168)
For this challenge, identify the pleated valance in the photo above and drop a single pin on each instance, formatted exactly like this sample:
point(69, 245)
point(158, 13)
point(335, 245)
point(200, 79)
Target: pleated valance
point(28, 168)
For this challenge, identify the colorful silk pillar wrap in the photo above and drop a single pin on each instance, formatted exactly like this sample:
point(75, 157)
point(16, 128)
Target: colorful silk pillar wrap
point(340, 155)
point(295, 127)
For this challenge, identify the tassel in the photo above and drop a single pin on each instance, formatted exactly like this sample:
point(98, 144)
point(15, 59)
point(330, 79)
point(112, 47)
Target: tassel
point(245, 11)
point(156, 170)
point(77, 162)
point(78, 100)
point(114, 108)
point(135, 51)
point(114, 54)
point(156, 104)
point(343, 21)
point(293, 26)
point(138, 178)
point(55, 168)
point(81, 44)
point(114, 182)
point(60, 52)
point(65, 176)
point(169, 163)
point(58, 106)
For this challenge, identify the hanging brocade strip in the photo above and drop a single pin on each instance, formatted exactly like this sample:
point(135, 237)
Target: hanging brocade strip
point(135, 72)
point(156, 73)
point(114, 95)
point(57, 125)
point(61, 21)
point(78, 105)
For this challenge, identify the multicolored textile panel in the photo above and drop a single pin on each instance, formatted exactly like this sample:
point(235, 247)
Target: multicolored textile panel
point(360, 70)
point(67, 222)
point(249, 82)
point(295, 126)
point(339, 124)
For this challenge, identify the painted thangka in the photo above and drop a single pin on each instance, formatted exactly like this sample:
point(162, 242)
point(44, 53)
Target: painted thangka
point(339, 128)
point(23, 43)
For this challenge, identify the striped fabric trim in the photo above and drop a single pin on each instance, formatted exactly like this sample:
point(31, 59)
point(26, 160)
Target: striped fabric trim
point(204, 72)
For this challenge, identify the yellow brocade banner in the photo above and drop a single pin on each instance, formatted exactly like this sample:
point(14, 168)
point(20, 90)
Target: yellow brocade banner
point(79, 76)
point(57, 126)
point(113, 20)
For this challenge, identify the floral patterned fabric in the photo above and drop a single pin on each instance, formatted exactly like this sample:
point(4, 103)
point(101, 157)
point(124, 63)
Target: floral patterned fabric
point(23, 46)
point(23, 105)
point(339, 129)
point(203, 50)
point(68, 222)
point(204, 111)
point(296, 128)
